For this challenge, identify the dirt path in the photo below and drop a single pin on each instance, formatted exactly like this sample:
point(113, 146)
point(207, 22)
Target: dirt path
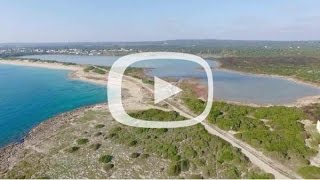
point(255, 156)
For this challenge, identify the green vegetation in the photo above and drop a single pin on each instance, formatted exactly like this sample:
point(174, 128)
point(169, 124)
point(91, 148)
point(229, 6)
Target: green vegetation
point(148, 81)
point(95, 146)
point(135, 72)
point(155, 114)
point(254, 175)
point(99, 71)
point(300, 67)
point(106, 158)
point(68, 63)
point(135, 155)
point(174, 169)
point(88, 69)
point(99, 126)
point(272, 52)
point(276, 130)
point(73, 149)
point(96, 69)
point(310, 172)
point(82, 141)
point(187, 148)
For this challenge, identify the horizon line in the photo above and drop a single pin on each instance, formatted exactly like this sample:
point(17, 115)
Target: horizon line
point(141, 41)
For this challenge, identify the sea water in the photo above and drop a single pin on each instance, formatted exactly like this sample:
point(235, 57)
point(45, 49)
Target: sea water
point(31, 95)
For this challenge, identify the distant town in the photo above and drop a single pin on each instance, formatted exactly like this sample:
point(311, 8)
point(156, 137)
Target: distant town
point(209, 47)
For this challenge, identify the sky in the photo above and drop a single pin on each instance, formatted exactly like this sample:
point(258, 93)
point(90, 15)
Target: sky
point(152, 20)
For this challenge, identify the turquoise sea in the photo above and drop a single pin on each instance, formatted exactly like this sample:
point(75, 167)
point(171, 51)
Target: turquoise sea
point(31, 95)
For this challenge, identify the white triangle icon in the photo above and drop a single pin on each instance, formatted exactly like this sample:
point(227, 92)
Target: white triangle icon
point(163, 90)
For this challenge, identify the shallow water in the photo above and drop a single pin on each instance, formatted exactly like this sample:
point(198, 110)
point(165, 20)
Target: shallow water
point(30, 95)
point(230, 86)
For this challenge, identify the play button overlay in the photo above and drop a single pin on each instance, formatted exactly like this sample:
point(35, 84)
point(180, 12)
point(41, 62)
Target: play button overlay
point(163, 90)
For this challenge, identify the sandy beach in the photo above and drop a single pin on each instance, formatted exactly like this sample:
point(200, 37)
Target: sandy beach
point(78, 73)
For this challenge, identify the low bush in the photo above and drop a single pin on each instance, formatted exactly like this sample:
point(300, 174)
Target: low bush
point(174, 169)
point(82, 141)
point(97, 134)
point(106, 158)
point(95, 146)
point(73, 149)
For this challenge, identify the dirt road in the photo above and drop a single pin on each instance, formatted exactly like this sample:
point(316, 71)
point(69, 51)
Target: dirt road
point(256, 157)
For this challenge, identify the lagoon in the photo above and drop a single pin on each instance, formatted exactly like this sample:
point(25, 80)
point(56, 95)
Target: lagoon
point(229, 86)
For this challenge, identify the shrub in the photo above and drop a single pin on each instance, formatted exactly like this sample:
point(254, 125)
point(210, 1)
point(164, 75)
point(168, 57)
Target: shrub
point(98, 134)
point(73, 149)
point(174, 169)
point(106, 158)
point(184, 164)
point(95, 146)
point(189, 152)
point(133, 143)
point(82, 141)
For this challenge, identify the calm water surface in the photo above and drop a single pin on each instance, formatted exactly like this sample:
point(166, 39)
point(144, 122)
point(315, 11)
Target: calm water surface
point(230, 86)
point(30, 95)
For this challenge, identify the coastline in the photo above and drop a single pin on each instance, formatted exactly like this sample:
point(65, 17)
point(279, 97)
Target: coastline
point(132, 100)
point(77, 73)
point(10, 153)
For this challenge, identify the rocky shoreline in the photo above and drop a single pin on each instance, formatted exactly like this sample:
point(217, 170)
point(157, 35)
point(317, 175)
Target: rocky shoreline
point(11, 153)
